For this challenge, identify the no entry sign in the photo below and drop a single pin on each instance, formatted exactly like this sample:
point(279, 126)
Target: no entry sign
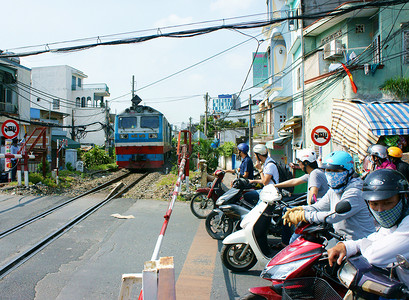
point(10, 129)
point(320, 135)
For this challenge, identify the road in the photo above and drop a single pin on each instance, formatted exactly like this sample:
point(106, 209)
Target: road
point(87, 262)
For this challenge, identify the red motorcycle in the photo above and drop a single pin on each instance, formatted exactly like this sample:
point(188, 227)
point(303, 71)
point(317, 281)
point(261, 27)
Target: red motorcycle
point(204, 200)
point(305, 257)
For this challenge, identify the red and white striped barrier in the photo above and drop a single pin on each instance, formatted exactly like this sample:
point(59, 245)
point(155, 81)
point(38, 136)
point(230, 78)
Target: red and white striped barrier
point(8, 155)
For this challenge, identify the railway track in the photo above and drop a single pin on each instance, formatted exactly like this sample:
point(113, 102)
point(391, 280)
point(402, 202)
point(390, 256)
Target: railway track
point(128, 181)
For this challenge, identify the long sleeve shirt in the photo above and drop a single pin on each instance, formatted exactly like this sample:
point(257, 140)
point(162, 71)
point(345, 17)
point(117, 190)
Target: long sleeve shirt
point(381, 247)
point(355, 224)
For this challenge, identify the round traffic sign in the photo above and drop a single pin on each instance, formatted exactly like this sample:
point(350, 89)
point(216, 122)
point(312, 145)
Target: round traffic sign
point(320, 135)
point(10, 129)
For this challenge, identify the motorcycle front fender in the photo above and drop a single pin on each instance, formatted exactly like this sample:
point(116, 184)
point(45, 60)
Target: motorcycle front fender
point(266, 292)
point(238, 237)
point(203, 190)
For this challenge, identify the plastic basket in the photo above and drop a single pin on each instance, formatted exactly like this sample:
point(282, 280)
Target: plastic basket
point(309, 288)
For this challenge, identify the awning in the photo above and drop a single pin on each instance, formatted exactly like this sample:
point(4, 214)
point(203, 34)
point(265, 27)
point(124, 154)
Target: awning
point(279, 141)
point(386, 118)
point(71, 143)
point(291, 123)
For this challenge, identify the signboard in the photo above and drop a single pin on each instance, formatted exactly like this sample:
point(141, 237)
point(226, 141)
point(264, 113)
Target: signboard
point(10, 129)
point(260, 69)
point(320, 135)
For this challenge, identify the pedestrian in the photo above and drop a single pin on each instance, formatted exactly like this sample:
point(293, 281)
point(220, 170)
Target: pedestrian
point(246, 168)
point(395, 156)
point(14, 150)
point(379, 157)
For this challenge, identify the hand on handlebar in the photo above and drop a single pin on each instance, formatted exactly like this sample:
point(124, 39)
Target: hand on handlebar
point(337, 254)
point(294, 216)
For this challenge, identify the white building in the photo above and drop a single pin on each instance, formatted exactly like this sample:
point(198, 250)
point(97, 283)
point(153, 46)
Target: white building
point(60, 90)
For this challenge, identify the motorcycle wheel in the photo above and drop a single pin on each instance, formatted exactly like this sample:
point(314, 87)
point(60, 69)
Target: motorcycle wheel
point(230, 257)
point(201, 206)
point(218, 226)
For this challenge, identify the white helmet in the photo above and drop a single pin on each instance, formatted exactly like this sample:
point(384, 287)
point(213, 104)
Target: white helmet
point(270, 194)
point(260, 149)
point(306, 154)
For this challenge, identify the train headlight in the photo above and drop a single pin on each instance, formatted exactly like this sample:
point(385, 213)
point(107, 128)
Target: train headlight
point(153, 135)
point(123, 136)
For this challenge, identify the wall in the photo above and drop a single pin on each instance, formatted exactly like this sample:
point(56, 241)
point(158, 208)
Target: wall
point(85, 116)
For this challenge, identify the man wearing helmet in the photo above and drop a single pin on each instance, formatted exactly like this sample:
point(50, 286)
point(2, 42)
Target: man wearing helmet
point(379, 157)
point(395, 156)
point(317, 182)
point(385, 192)
point(355, 224)
point(246, 168)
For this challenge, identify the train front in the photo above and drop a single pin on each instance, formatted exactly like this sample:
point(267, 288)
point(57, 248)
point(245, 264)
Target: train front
point(139, 142)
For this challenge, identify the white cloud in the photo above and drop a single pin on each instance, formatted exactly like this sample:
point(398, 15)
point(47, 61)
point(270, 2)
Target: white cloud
point(230, 7)
point(173, 20)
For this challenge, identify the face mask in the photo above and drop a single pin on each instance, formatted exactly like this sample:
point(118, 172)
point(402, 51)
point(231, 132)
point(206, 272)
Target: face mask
point(388, 218)
point(336, 180)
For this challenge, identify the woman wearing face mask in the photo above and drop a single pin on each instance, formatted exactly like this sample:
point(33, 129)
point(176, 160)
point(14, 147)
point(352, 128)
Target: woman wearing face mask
point(355, 224)
point(379, 157)
point(386, 192)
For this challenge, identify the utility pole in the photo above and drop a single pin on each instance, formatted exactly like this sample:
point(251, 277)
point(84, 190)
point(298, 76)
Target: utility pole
point(205, 122)
point(133, 86)
point(250, 128)
point(72, 126)
point(106, 127)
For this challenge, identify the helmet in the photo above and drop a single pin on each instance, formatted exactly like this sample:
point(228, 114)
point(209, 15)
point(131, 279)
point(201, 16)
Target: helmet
point(269, 194)
point(306, 154)
point(260, 149)
point(378, 150)
point(241, 184)
point(339, 160)
point(384, 183)
point(395, 152)
point(243, 147)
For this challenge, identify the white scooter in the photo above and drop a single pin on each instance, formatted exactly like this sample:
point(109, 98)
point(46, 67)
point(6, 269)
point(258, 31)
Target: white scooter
point(242, 249)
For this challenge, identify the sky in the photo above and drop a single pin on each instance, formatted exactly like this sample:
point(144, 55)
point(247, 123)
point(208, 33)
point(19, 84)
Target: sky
point(180, 97)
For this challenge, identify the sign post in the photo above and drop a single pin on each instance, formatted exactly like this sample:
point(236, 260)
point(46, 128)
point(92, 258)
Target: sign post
point(320, 136)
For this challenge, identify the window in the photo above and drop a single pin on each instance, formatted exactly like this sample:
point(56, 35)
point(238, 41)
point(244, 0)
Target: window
point(79, 82)
point(73, 83)
point(282, 118)
point(77, 102)
point(298, 78)
point(127, 122)
point(406, 46)
point(56, 103)
point(376, 46)
point(150, 122)
point(89, 102)
point(359, 28)
point(293, 23)
point(83, 103)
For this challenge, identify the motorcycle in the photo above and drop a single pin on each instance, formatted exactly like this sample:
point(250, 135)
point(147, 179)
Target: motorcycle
point(304, 257)
point(204, 200)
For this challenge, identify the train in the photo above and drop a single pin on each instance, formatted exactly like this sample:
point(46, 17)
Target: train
point(143, 137)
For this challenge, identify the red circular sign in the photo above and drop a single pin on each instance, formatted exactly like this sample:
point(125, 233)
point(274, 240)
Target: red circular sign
point(320, 135)
point(10, 129)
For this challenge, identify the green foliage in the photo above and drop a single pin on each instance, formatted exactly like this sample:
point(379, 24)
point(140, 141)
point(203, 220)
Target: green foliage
point(35, 178)
point(96, 156)
point(208, 153)
point(110, 166)
point(227, 149)
point(69, 167)
point(215, 125)
point(40, 167)
point(398, 86)
point(50, 182)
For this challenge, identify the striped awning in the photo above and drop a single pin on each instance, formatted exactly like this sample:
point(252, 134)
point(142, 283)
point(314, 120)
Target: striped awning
point(350, 129)
point(386, 118)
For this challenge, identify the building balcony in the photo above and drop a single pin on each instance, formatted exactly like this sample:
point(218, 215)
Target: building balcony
point(100, 89)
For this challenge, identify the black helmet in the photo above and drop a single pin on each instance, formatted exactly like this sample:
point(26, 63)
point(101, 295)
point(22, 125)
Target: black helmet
point(241, 183)
point(384, 183)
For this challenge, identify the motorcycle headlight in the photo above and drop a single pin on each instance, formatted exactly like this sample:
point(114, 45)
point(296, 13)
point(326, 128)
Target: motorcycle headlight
point(281, 272)
point(346, 274)
point(123, 136)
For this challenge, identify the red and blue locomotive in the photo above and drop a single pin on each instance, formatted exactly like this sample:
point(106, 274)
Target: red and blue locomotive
point(143, 137)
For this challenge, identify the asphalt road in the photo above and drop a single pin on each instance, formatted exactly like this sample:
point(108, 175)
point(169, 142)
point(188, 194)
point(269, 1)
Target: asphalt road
point(87, 262)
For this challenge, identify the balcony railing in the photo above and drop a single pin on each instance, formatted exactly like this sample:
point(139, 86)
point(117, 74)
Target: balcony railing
point(96, 86)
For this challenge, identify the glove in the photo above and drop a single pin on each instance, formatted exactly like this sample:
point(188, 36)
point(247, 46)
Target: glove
point(291, 210)
point(294, 217)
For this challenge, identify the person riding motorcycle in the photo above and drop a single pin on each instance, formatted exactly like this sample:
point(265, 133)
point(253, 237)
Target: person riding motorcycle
point(395, 156)
point(246, 168)
point(385, 192)
point(379, 157)
point(317, 182)
point(339, 171)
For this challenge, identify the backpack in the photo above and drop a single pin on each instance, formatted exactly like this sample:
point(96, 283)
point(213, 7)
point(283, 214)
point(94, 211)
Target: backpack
point(284, 174)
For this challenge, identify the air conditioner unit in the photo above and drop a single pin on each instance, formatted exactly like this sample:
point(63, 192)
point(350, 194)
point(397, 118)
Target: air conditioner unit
point(333, 49)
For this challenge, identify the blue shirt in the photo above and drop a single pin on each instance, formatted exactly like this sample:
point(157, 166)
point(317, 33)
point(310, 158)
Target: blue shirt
point(247, 166)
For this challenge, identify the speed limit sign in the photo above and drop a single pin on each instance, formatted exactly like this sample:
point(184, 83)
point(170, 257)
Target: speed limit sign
point(320, 135)
point(10, 129)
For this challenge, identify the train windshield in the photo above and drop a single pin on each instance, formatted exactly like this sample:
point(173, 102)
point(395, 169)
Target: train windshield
point(127, 122)
point(150, 122)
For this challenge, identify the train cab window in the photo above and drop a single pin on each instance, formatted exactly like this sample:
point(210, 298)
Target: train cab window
point(150, 122)
point(127, 122)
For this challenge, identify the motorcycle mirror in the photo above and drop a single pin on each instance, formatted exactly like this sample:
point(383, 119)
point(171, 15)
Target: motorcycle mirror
point(402, 261)
point(342, 207)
